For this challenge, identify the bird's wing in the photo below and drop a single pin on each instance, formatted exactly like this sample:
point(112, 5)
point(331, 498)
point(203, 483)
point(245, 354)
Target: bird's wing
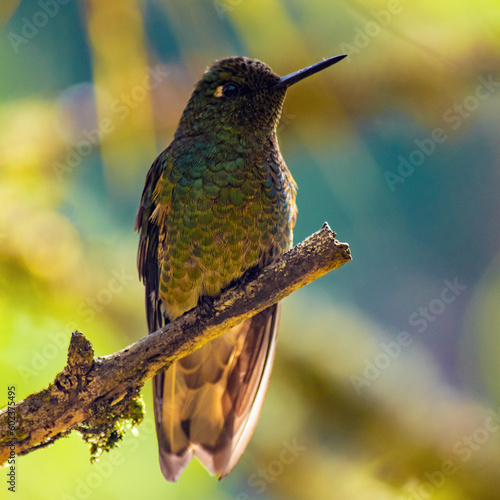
point(149, 223)
point(148, 264)
point(208, 403)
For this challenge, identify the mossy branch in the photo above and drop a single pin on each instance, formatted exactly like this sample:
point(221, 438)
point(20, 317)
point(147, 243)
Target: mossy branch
point(95, 395)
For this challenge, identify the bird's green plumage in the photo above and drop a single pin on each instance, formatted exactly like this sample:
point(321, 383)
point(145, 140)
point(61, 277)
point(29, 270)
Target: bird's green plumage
point(218, 217)
point(216, 203)
point(224, 200)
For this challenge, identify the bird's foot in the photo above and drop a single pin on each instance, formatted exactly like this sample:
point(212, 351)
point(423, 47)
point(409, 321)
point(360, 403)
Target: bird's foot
point(248, 276)
point(206, 306)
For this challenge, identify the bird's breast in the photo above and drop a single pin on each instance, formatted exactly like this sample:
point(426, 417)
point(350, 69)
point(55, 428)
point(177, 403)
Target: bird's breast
point(224, 218)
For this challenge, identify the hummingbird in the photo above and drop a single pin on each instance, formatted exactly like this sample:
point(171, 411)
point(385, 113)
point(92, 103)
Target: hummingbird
point(217, 203)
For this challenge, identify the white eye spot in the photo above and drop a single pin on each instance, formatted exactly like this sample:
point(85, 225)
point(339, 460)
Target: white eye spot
point(218, 91)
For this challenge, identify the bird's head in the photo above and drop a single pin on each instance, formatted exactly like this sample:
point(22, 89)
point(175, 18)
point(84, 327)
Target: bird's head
point(241, 95)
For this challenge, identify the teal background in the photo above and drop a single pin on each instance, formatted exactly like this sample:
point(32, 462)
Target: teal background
point(386, 383)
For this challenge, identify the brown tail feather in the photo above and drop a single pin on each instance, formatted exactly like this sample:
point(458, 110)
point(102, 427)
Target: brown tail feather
point(208, 403)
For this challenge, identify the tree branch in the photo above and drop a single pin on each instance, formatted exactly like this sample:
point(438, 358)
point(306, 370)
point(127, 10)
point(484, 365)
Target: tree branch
point(92, 394)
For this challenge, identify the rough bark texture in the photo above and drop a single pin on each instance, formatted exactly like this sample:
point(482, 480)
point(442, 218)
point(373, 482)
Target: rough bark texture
point(96, 395)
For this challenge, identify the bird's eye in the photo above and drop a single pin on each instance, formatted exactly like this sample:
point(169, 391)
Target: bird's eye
point(230, 90)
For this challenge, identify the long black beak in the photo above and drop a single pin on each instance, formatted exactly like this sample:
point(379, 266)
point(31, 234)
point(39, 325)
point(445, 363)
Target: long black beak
point(286, 81)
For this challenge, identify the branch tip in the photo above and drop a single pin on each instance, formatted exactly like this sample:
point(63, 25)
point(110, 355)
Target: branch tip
point(96, 396)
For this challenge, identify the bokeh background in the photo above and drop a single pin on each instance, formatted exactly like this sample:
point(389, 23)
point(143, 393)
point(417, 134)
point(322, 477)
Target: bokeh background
point(387, 378)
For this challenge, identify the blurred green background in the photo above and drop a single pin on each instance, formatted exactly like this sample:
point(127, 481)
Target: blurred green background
point(387, 378)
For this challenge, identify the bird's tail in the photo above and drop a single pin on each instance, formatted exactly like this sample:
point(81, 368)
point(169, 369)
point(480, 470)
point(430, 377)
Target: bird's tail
point(207, 404)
